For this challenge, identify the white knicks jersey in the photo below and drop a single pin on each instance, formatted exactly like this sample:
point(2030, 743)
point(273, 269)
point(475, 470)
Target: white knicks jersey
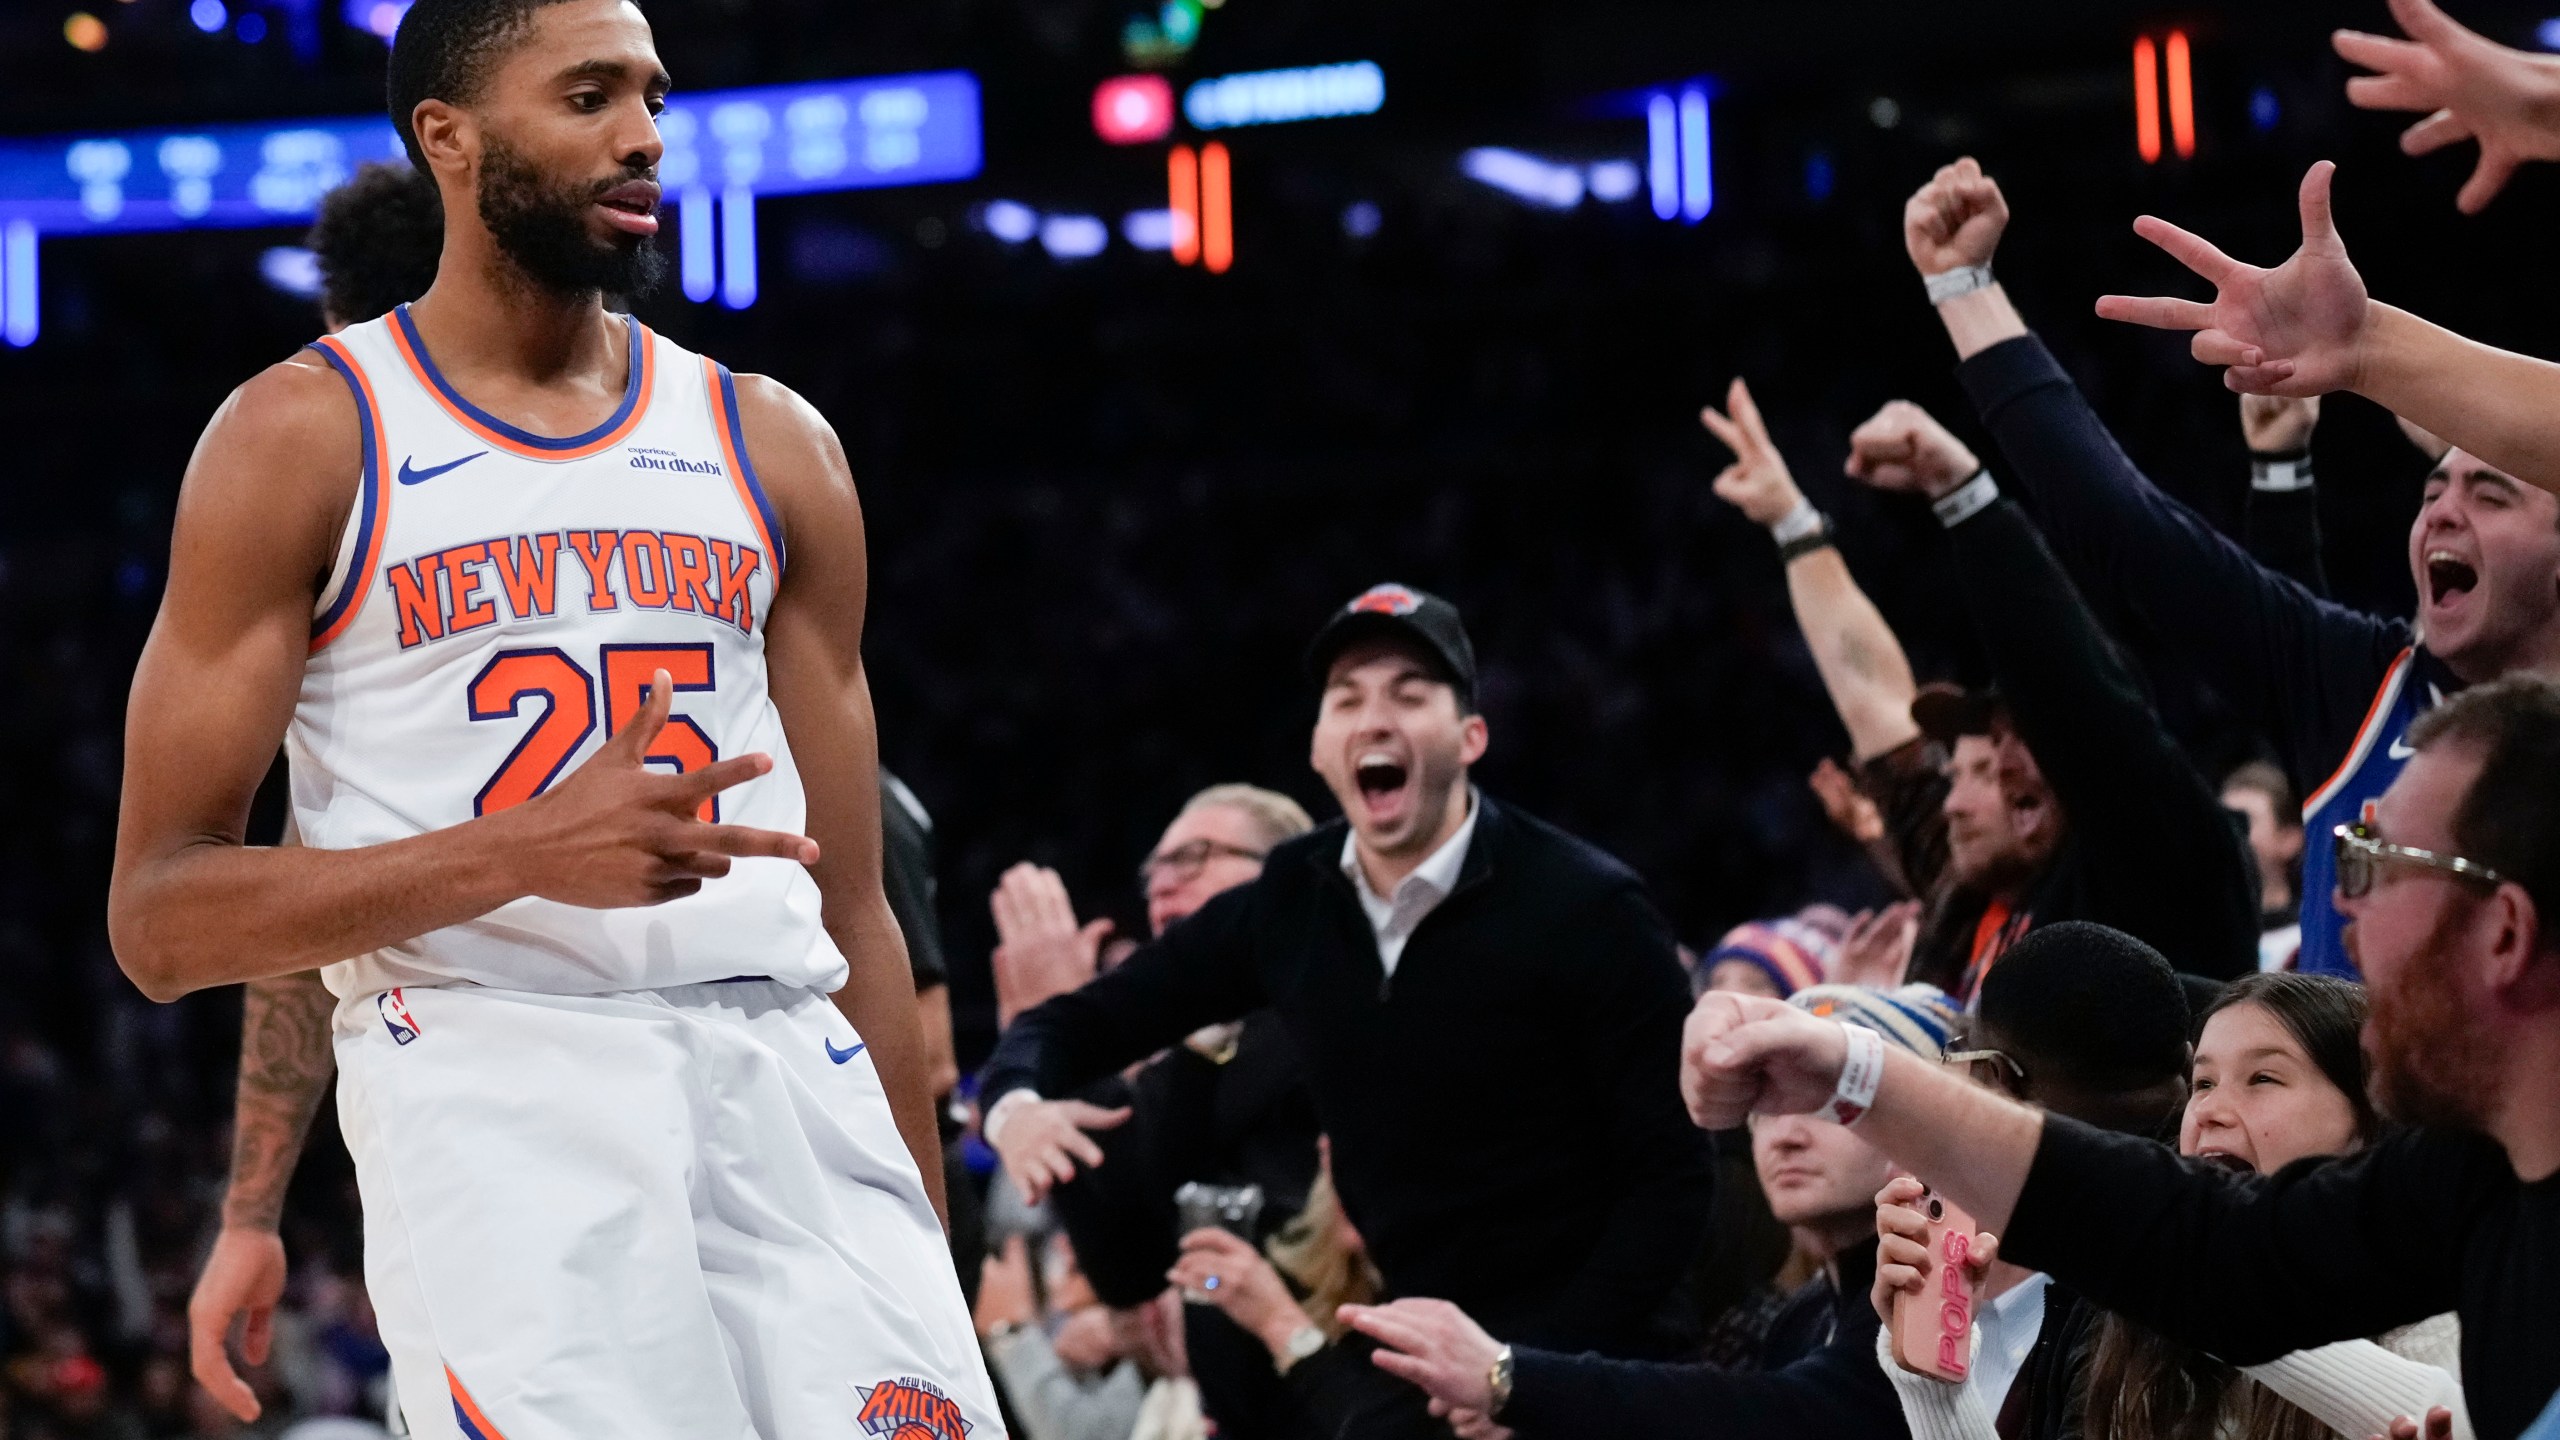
point(498, 607)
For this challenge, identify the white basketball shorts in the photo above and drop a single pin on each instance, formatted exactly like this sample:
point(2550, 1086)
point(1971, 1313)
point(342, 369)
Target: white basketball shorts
point(679, 1213)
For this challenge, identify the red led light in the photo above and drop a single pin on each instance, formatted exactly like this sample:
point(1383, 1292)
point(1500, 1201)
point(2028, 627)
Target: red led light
point(2146, 99)
point(1133, 109)
point(2182, 98)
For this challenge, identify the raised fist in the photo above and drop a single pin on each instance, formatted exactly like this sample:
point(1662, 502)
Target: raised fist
point(2277, 424)
point(1955, 220)
point(1904, 449)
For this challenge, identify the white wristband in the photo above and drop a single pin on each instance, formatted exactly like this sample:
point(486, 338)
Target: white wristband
point(1962, 280)
point(1797, 523)
point(1861, 1073)
point(2293, 472)
point(1966, 500)
point(1002, 1111)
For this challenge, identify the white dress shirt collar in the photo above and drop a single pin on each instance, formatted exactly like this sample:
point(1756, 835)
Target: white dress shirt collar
point(1392, 918)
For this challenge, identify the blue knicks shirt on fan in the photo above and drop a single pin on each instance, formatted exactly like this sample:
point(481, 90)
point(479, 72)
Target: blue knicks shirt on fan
point(2373, 762)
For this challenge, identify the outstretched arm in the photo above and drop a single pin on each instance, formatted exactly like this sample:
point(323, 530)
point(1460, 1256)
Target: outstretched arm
point(1861, 663)
point(2307, 327)
point(191, 904)
point(813, 645)
point(285, 1065)
point(2470, 89)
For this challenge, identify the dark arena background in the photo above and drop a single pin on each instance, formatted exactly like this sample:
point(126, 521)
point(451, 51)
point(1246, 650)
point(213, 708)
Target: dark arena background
point(1460, 294)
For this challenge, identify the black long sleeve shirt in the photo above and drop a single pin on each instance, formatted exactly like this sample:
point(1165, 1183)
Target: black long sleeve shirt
point(2323, 1250)
point(1817, 1380)
point(2150, 849)
point(2302, 669)
point(1504, 1112)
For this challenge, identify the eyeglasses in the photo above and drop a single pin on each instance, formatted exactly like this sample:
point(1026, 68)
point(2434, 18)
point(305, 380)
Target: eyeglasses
point(1985, 1066)
point(1183, 862)
point(2357, 851)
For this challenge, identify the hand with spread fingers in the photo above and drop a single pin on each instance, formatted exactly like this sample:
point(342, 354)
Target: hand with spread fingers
point(2470, 87)
point(2298, 329)
point(1757, 482)
point(1041, 1142)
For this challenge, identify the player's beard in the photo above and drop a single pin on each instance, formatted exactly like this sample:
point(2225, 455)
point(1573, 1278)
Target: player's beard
point(541, 225)
point(2428, 1065)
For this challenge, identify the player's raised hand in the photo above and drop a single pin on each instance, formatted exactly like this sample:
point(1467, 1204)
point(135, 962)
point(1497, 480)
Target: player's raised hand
point(1741, 1054)
point(1903, 448)
point(242, 1281)
point(2298, 329)
point(618, 833)
point(2471, 87)
point(1041, 1142)
point(1955, 220)
point(1757, 482)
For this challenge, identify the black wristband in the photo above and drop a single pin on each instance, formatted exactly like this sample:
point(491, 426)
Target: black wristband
point(1804, 545)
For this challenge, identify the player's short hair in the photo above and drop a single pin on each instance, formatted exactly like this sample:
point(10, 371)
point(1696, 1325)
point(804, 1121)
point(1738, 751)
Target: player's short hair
point(1276, 815)
point(2507, 821)
point(445, 51)
point(377, 238)
point(2090, 1006)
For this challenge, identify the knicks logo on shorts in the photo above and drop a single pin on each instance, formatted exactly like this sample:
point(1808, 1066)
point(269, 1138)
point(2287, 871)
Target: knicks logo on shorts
point(910, 1409)
point(396, 1017)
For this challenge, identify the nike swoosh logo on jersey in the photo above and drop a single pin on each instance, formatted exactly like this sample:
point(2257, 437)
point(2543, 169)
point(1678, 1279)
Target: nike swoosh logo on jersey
point(2400, 748)
point(410, 474)
point(841, 1056)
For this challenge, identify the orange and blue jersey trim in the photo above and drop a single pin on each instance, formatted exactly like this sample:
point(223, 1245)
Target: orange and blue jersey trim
point(466, 1411)
point(723, 388)
point(373, 512)
point(512, 439)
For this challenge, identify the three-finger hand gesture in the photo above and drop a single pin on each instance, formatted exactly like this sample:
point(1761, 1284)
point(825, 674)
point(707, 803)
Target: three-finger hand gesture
point(1757, 482)
point(2298, 329)
point(2470, 87)
point(618, 833)
point(1955, 220)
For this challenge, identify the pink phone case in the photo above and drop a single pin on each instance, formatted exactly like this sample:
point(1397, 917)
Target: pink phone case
point(1933, 1330)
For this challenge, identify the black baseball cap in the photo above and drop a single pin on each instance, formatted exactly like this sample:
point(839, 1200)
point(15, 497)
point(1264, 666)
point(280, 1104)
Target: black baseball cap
point(1400, 612)
point(1946, 712)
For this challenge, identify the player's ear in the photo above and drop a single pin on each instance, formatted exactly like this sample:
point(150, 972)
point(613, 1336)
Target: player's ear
point(447, 136)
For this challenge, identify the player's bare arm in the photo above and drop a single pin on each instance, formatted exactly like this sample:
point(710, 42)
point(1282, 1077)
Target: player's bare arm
point(813, 650)
point(192, 905)
point(285, 1066)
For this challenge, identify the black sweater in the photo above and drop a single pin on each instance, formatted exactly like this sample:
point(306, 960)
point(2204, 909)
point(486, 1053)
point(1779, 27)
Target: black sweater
point(1817, 1380)
point(2321, 1251)
point(1504, 1113)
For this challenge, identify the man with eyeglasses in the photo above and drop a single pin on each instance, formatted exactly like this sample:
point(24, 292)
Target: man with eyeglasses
point(2446, 893)
point(1488, 1010)
point(1227, 1107)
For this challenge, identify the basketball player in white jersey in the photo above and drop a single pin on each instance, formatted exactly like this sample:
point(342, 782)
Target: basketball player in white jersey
point(560, 627)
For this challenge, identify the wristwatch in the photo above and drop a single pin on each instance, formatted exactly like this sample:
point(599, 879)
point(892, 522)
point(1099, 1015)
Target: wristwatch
point(1497, 1381)
point(1303, 1344)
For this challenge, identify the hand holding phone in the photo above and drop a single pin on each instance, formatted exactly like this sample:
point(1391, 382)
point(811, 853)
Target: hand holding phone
point(1929, 1272)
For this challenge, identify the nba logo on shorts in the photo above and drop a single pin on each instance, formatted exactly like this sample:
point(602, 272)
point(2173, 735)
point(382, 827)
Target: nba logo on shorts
point(396, 1016)
point(910, 1409)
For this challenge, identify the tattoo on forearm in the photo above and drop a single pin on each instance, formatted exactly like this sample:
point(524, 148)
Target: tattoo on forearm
point(286, 1060)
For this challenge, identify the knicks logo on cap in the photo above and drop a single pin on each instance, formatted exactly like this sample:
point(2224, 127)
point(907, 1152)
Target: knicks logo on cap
point(396, 1016)
point(1386, 600)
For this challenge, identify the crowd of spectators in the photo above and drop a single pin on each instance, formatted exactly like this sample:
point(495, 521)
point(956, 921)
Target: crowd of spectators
point(1375, 1127)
